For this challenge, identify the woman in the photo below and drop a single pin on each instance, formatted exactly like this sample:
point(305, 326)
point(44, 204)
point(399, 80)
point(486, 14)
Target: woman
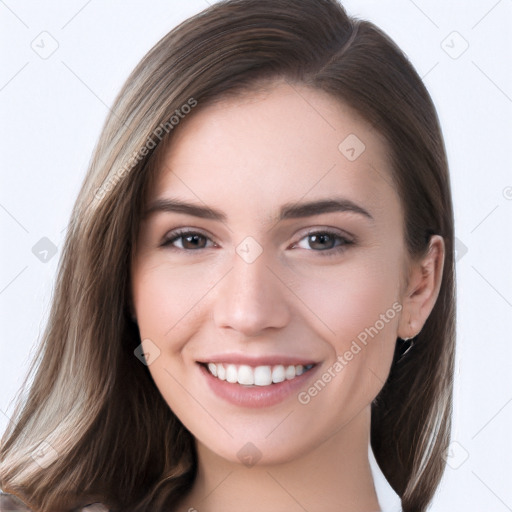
point(257, 281)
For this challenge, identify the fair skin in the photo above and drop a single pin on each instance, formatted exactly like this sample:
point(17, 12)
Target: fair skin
point(294, 296)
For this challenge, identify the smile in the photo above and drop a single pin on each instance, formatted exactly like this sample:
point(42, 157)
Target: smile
point(256, 376)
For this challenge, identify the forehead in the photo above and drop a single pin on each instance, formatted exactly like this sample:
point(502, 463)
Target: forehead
point(283, 143)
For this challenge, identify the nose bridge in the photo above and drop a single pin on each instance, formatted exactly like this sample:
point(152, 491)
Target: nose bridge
point(251, 297)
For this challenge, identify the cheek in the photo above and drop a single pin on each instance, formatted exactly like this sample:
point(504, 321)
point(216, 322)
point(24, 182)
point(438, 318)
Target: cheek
point(349, 298)
point(358, 309)
point(167, 301)
point(168, 298)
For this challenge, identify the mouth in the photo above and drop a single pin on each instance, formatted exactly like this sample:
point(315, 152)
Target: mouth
point(256, 382)
point(262, 376)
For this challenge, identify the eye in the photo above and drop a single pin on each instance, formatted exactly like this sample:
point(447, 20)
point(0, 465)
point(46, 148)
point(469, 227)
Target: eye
point(186, 240)
point(324, 241)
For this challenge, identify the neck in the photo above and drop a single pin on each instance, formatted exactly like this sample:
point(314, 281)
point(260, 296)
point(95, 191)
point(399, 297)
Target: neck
point(332, 477)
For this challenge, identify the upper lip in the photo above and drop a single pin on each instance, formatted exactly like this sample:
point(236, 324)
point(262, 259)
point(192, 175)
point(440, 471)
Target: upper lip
point(239, 359)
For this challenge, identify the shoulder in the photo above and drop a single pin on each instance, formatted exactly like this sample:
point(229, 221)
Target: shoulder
point(10, 503)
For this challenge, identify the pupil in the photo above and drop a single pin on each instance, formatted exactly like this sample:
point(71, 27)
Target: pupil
point(321, 239)
point(193, 239)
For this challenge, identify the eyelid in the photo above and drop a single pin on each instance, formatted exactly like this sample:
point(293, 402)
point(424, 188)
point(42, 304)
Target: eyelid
point(327, 230)
point(177, 233)
point(331, 252)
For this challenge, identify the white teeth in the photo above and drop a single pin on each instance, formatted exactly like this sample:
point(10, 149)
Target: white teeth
point(258, 376)
point(290, 372)
point(262, 375)
point(213, 369)
point(231, 373)
point(278, 374)
point(245, 375)
point(221, 372)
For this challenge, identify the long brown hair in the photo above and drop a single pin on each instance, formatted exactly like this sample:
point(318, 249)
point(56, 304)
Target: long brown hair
point(113, 437)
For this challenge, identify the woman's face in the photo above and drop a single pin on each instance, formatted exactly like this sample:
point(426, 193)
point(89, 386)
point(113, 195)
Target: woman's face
point(272, 255)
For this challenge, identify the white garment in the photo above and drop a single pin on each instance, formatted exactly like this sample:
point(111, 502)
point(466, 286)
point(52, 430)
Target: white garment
point(389, 500)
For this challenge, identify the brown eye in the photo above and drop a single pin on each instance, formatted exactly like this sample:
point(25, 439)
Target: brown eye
point(321, 241)
point(186, 240)
point(324, 241)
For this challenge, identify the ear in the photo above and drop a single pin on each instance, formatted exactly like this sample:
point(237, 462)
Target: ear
point(422, 289)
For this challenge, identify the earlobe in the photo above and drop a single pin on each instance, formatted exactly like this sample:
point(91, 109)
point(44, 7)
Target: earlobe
point(423, 289)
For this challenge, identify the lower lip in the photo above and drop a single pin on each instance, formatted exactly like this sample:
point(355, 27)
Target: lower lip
point(256, 396)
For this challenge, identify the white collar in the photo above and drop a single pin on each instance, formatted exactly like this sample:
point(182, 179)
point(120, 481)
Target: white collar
point(389, 500)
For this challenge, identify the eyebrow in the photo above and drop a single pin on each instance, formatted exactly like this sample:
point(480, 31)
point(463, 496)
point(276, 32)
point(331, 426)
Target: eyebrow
point(288, 210)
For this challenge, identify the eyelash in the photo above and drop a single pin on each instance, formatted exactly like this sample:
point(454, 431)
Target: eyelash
point(173, 236)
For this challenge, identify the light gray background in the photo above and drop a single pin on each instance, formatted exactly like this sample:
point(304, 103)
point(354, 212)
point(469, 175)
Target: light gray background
point(52, 110)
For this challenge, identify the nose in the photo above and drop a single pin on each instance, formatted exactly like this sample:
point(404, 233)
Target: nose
point(251, 298)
